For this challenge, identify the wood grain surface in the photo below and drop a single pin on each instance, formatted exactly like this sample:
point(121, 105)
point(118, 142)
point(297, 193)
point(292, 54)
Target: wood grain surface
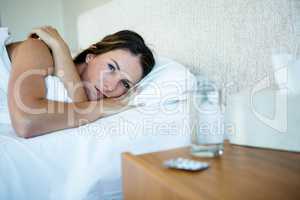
point(241, 173)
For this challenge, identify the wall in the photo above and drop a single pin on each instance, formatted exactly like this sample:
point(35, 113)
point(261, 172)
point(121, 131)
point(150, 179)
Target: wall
point(22, 16)
point(232, 41)
point(71, 11)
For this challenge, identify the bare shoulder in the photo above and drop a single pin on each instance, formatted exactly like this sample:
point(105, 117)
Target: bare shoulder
point(33, 43)
point(33, 52)
point(11, 49)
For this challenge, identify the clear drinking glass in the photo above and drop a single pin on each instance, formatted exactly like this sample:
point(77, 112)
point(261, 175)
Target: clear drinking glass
point(207, 121)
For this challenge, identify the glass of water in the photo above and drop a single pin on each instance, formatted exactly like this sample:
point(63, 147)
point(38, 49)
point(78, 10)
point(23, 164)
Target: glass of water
point(207, 121)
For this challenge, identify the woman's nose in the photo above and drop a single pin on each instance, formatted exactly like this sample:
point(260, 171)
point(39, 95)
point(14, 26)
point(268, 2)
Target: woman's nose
point(110, 84)
point(108, 87)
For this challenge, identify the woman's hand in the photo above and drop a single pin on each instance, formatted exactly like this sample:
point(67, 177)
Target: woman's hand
point(122, 103)
point(129, 97)
point(50, 36)
point(64, 67)
point(55, 42)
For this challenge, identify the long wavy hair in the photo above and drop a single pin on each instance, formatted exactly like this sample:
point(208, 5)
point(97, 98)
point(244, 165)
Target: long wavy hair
point(127, 40)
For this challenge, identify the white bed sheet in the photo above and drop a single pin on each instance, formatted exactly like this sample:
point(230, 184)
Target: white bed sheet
point(74, 164)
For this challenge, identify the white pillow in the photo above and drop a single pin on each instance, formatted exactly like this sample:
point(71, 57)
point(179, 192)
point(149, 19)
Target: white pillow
point(167, 81)
point(4, 75)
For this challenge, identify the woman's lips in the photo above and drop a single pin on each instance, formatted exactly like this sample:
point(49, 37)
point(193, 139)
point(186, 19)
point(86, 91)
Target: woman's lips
point(99, 93)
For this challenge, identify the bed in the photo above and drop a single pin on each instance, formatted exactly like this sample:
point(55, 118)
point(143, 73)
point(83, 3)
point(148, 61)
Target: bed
point(85, 162)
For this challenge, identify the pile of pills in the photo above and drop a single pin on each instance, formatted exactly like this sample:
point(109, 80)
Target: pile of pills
point(186, 164)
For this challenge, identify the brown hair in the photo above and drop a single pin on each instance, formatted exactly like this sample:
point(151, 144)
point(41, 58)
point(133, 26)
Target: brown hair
point(126, 39)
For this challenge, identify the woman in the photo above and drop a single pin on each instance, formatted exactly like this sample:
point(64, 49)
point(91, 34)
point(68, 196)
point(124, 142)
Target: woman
point(97, 80)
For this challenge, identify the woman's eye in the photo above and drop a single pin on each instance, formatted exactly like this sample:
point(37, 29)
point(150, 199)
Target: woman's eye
point(111, 67)
point(126, 84)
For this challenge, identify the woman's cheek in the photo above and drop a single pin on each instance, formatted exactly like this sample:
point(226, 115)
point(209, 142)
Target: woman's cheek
point(95, 72)
point(119, 91)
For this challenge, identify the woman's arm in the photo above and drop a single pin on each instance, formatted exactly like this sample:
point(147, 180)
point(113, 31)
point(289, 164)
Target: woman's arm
point(64, 67)
point(31, 113)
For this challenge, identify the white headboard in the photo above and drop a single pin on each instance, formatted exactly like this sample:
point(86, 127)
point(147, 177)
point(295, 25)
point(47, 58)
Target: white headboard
point(229, 40)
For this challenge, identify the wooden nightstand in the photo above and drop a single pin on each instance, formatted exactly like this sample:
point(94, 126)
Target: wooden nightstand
point(241, 173)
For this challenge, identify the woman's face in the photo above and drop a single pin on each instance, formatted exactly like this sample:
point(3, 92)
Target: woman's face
point(110, 74)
